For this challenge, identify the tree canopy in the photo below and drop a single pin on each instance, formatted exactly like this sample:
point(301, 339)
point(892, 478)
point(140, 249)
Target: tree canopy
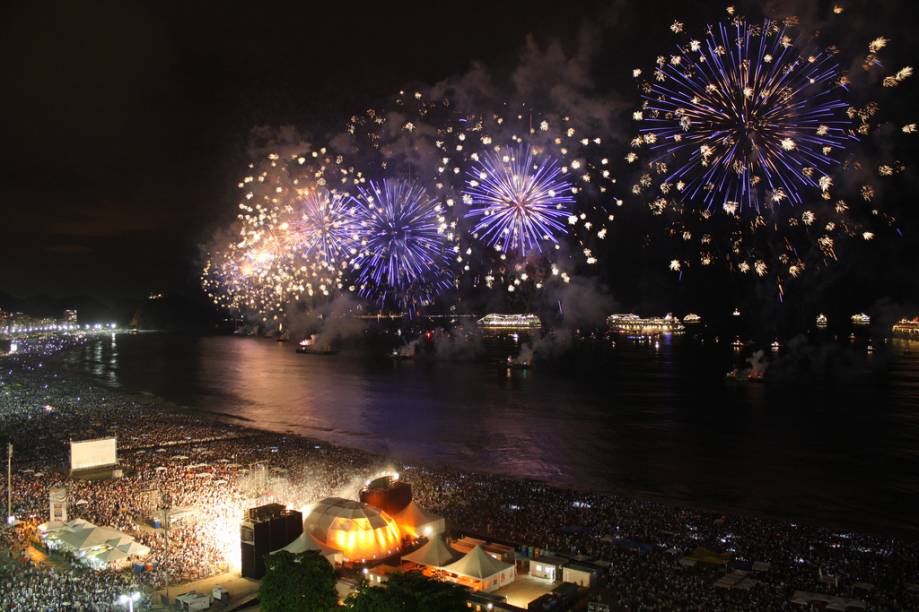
point(304, 581)
point(410, 592)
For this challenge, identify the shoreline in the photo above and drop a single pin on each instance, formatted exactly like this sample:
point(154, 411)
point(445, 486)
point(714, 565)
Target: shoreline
point(676, 503)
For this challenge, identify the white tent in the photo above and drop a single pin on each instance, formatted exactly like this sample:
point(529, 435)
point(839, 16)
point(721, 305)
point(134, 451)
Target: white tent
point(100, 546)
point(416, 519)
point(487, 572)
point(111, 557)
point(435, 553)
point(134, 549)
point(90, 537)
point(307, 542)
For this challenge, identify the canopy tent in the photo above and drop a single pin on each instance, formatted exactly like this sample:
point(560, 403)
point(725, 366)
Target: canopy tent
point(134, 549)
point(435, 553)
point(416, 521)
point(112, 555)
point(90, 537)
point(486, 573)
point(101, 547)
point(305, 542)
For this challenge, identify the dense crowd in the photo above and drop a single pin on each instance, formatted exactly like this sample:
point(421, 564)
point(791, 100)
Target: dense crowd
point(213, 471)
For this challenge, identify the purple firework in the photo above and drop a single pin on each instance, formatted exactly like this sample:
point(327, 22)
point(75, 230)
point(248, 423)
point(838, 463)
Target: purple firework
point(518, 199)
point(743, 115)
point(403, 254)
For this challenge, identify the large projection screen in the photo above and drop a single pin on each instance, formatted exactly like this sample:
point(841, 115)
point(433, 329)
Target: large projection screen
point(85, 454)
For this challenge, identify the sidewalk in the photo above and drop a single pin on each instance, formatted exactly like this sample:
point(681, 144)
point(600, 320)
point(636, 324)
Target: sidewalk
point(238, 587)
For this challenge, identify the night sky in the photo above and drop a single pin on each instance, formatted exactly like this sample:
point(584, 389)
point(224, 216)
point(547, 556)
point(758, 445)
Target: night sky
point(127, 125)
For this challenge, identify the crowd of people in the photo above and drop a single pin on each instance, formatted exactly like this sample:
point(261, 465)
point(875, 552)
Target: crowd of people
point(208, 472)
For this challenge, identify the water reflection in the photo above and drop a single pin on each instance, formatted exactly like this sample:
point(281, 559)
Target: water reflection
point(658, 419)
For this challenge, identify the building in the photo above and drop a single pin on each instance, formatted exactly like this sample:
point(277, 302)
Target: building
point(265, 529)
point(70, 316)
point(548, 567)
point(57, 505)
point(579, 574)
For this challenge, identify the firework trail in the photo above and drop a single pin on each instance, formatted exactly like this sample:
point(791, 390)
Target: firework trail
point(403, 255)
point(517, 200)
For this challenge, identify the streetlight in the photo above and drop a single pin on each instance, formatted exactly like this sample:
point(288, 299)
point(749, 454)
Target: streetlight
point(128, 600)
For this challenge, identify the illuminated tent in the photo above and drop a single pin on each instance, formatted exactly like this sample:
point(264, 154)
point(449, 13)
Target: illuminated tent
point(359, 531)
point(306, 541)
point(416, 521)
point(482, 571)
point(98, 546)
point(433, 554)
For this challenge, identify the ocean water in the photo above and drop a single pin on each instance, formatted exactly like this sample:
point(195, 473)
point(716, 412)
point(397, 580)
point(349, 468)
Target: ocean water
point(833, 436)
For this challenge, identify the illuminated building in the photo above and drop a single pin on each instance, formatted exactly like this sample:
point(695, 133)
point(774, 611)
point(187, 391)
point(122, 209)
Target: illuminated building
point(633, 324)
point(70, 316)
point(861, 319)
point(359, 531)
point(906, 328)
point(509, 321)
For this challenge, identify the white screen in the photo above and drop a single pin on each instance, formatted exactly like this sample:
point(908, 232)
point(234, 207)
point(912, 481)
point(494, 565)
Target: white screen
point(93, 453)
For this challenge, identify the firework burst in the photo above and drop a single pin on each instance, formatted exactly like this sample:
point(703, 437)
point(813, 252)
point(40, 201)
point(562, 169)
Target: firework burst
point(403, 254)
point(743, 116)
point(735, 128)
point(518, 200)
point(324, 226)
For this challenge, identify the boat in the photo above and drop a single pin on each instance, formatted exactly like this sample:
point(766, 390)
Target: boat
point(775, 346)
point(737, 344)
point(634, 325)
point(906, 328)
point(509, 321)
point(736, 312)
point(692, 319)
point(861, 319)
point(309, 346)
point(400, 355)
point(821, 320)
point(517, 364)
point(737, 375)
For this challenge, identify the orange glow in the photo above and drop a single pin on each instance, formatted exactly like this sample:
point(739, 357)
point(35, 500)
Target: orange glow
point(358, 540)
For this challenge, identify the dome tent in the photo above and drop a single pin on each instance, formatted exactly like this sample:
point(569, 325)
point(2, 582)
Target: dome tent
point(359, 531)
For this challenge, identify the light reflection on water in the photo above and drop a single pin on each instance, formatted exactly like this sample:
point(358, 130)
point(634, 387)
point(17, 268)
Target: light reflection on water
point(660, 420)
